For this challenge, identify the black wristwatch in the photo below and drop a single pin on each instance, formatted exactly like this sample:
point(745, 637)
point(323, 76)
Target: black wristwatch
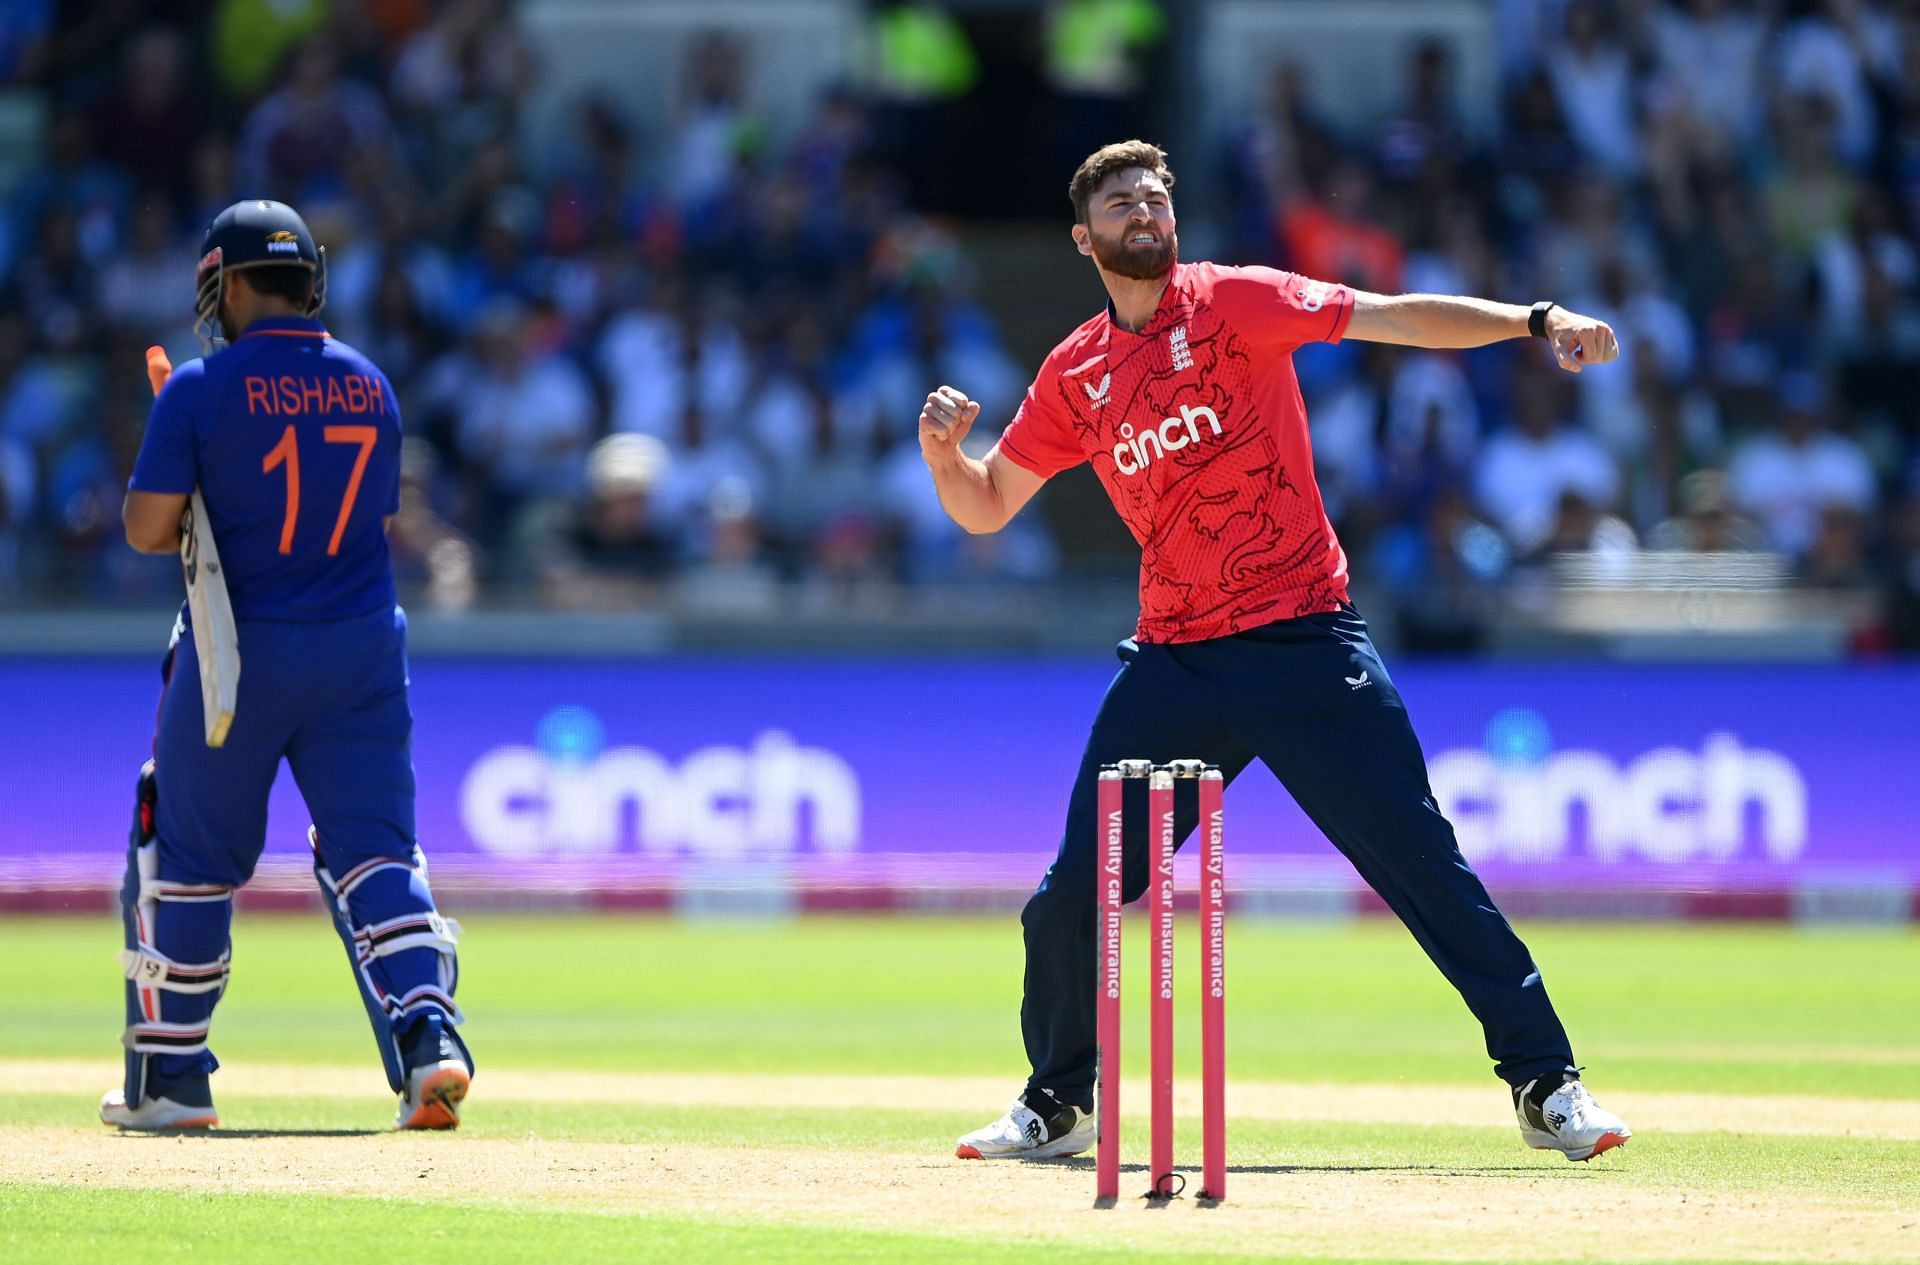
point(1537, 317)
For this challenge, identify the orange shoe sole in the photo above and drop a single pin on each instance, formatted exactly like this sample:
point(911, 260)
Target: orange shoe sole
point(440, 1100)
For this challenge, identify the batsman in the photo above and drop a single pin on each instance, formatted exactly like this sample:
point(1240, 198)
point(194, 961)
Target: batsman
point(291, 439)
point(1182, 397)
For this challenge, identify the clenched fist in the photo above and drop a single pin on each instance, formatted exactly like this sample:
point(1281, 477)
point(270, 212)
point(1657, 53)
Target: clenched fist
point(945, 420)
point(1580, 340)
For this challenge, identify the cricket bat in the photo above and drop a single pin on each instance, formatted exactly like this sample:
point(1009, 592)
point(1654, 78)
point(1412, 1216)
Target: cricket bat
point(216, 640)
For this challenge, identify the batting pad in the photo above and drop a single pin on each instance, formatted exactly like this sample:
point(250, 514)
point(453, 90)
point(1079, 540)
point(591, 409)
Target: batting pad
point(401, 949)
point(176, 960)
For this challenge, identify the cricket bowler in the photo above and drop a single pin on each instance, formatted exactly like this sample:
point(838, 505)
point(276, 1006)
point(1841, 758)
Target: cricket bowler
point(293, 440)
point(1182, 396)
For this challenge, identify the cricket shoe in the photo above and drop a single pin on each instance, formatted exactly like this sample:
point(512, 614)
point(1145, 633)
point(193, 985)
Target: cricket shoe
point(437, 1081)
point(155, 1114)
point(1027, 1134)
point(1565, 1118)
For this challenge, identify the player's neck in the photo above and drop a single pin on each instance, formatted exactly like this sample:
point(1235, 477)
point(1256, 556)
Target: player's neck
point(1135, 301)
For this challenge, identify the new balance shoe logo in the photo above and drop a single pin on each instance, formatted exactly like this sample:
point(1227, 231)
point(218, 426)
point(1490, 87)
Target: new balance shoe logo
point(1036, 1132)
point(1355, 682)
point(1099, 397)
point(1555, 1120)
point(1177, 347)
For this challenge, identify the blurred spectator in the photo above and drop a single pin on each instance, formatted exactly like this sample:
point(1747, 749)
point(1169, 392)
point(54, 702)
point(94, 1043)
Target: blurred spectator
point(1648, 324)
point(1825, 51)
point(1526, 470)
point(296, 145)
point(150, 121)
point(1837, 558)
point(35, 399)
point(934, 548)
point(458, 82)
point(618, 550)
point(1869, 246)
point(1580, 526)
point(1708, 521)
point(1427, 128)
point(680, 352)
point(729, 575)
point(1335, 236)
point(1708, 55)
point(1269, 159)
point(1810, 195)
point(1880, 364)
point(1444, 571)
point(143, 285)
point(429, 553)
point(526, 414)
point(1592, 74)
point(1787, 479)
point(715, 129)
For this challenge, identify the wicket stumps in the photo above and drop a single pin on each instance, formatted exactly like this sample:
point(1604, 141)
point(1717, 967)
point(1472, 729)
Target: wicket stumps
point(1161, 781)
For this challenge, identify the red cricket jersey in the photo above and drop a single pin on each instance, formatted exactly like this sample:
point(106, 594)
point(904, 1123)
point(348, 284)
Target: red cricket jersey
point(1196, 428)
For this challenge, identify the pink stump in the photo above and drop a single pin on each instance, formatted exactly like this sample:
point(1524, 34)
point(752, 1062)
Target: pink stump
point(1213, 989)
point(1160, 915)
point(1107, 1051)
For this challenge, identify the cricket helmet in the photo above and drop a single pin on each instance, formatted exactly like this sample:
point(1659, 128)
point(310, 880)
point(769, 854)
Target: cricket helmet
point(253, 234)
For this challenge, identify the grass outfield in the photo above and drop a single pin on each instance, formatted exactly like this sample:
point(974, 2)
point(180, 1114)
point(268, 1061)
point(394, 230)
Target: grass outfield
point(660, 1090)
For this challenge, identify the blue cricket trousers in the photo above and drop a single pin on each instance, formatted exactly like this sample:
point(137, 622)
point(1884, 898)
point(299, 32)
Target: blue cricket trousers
point(331, 698)
point(1311, 699)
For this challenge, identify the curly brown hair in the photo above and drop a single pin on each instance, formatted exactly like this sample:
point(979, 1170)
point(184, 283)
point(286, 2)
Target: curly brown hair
point(1106, 160)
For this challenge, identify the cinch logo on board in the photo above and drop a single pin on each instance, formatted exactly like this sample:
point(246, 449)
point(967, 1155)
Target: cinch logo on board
point(1138, 450)
point(1517, 800)
point(570, 795)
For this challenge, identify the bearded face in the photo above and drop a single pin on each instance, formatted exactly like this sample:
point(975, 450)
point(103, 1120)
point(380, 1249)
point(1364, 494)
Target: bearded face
point(1140, 252)
point(1130, 226)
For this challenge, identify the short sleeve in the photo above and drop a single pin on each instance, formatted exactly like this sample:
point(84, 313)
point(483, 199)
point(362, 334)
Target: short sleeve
point(169, 459)
point(1041, 437)
point(1282, 310)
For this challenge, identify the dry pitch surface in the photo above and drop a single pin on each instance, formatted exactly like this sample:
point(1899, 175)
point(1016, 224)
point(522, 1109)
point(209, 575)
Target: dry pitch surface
point(736, 1092)
point(1535, 1207)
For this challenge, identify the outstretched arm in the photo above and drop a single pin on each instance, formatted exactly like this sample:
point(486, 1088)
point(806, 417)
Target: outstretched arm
point(980, 495)
point(1445, 320)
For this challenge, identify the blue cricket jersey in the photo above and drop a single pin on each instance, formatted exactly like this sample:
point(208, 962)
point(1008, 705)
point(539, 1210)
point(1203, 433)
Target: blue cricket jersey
point(293, 438)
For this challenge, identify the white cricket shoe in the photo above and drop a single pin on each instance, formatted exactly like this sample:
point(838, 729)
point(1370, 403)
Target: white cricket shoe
point(1023, 1134)
point(434, 1094)
point(1568, 1120)
point(154, 1114)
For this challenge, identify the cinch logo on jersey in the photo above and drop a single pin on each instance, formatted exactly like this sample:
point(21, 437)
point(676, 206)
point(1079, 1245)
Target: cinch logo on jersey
point(291, 396)
point(1519, 801)
point(569, 795)
point(1136, 451)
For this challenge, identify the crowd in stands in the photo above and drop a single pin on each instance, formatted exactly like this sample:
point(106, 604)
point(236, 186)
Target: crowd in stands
point(686, 353)
point(1735, 187)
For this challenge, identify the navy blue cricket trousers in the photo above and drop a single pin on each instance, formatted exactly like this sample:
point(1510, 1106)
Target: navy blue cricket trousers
point(1311, 699)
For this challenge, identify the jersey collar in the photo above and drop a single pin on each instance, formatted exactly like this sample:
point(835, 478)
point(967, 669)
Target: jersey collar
point(287, 327)
point(1176, 280)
